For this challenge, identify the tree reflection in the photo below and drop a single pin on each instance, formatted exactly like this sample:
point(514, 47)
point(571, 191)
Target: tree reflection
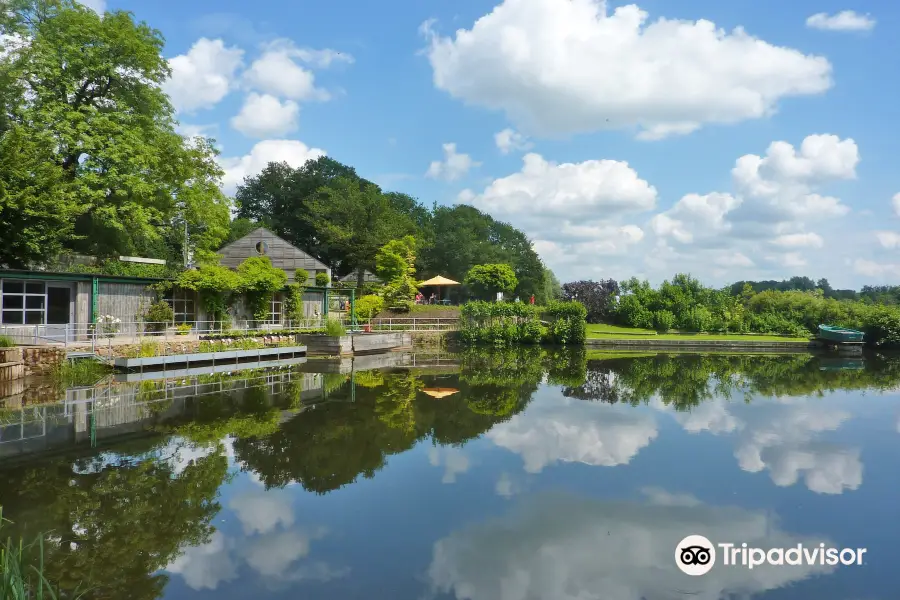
point(685, 381)
point(113, 521)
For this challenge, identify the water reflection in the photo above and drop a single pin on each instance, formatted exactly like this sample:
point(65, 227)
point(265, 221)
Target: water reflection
point(542, 475)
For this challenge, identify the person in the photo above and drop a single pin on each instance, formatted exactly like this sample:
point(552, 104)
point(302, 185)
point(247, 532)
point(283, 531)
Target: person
point(432, 299)
point(531, 300)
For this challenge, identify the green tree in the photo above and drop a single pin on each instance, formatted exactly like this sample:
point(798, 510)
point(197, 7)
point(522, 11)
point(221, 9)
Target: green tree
point(215, 284)
point(89, 89)
point(395, 263)
point(485, 281)
point(355, 222)
point(279, 196)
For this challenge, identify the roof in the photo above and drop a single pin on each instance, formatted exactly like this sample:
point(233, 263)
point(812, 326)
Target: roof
point(283, 254)
point(439, 280)
point(59, 275)
point(367, 276)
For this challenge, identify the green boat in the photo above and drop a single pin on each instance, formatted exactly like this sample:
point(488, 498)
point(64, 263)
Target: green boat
point(840, 334)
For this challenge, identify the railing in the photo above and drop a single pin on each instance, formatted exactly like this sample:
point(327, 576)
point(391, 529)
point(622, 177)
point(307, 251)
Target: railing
point(86, 336)
point(414, 324)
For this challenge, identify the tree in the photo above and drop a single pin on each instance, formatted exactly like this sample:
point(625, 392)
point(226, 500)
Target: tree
point(239, 228)
point(486, 281)
point(598, 297)
point(279, 196)
point(355, 222)
point(89, 89)
point(395, 263)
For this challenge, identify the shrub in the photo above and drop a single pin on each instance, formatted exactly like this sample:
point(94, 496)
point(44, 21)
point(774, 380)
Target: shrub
point(568, 322)
point(6, 341)
point(158, 316)
point(215, 284)
point(334, 328)
point(293, 302)
point(663, 320)
point(499, 323)
point(369, 306)
point(301, 276)
point(322, 279)
point(183, 329)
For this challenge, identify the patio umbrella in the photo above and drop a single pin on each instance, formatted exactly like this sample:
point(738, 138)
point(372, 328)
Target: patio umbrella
point(440, 392)
point(438, 282)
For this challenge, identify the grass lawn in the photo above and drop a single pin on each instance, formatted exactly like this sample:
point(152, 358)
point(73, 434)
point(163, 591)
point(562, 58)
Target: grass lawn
point(613, 332)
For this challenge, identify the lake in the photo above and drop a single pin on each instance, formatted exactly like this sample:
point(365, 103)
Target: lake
point(513, 475)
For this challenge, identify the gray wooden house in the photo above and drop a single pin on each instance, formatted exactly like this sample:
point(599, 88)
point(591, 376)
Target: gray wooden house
point(284, 256)
point(353, 278)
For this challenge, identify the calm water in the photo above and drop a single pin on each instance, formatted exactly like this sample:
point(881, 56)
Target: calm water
point(511, 476)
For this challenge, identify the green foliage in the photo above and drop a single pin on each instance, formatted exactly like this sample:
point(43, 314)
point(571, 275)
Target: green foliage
point(486, 281)
point(334, 328)
point(301, 276)
point(568, 322)
point(118, 268)
point(183, 329)
point(6, 341)
point(215, 284)
point(293, 302)
point(663, 320)
point(259, 282)
point(322, 280)
point(500, 324)
point(99, 168)
point(20, 580)
point(369, 306)
point(158, 316)
point(396, 266)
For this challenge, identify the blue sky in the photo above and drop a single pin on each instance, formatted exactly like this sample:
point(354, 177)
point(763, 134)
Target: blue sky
point(633, 127)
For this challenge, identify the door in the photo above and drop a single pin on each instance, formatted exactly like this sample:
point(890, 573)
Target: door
point(60, 311)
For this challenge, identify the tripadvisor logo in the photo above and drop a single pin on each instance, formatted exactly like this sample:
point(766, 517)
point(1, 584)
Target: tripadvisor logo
point(696, 555)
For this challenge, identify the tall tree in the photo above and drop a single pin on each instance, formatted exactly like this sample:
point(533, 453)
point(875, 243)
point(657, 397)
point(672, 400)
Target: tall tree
point(279, 197)
point(92, 85)
point(354, 222)
point(598, 297)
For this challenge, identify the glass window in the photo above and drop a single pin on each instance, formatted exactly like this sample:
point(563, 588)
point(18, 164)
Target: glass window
point(13, 287)
point(183, 305)
point(10, 301)
point(34, 287)
point(34, 317)
point(13, 317)
point(36, 302)
point(276, 314)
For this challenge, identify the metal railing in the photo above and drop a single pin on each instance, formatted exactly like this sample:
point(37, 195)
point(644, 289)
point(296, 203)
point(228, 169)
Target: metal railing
point(92, 335)
point(413, 324)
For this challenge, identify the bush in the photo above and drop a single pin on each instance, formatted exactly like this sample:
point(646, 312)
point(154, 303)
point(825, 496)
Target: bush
point(499, 323)
point(259, 281)
point(6, 341)
point(322, 279)
point(158, 316)
point(183, 329)
point(369, 306)
point(293, 302)
point(663, 320)
point(301, 276)
point(568, 322)
point(334, 328)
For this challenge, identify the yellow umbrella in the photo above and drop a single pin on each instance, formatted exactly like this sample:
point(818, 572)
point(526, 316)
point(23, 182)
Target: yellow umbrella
point(437, 282)
point(440, 392)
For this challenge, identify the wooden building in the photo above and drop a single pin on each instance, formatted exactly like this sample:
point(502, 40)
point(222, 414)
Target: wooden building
point(353, 278)
point(284, 256)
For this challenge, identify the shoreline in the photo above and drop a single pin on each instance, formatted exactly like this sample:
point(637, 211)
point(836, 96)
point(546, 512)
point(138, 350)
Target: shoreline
point(638, 344)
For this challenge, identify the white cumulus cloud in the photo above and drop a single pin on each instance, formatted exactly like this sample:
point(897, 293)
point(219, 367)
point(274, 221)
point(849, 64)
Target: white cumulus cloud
point(280, 70)
point(265, 116)
point(293, 152)
point(510, 139)
point(568, 67)
point(846, 20)
point(895, 203)
point(204, 76)
point(888, 239)
point(799, 240)
point(454, 165)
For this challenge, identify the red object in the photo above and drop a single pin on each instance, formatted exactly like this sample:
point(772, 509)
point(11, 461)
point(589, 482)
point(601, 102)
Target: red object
point(532, 299)
point(367, 328)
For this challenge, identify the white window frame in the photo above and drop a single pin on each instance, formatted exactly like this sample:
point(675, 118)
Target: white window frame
point(25, 295)
point(184, 305)
point(276, 311)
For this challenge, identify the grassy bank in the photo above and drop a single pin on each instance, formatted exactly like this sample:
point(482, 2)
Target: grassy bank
point(77, 373)
point(614, 332)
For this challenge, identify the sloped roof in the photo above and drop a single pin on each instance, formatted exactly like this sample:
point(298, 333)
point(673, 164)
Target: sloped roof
point(283, 254)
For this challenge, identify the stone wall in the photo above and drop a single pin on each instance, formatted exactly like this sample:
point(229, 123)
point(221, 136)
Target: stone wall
point(42, 360)
point(165, 348)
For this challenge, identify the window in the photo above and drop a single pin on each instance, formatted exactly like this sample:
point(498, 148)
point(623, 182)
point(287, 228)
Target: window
point(276, 314)
point(262, 248)
point(182, 303)
point(22, 302)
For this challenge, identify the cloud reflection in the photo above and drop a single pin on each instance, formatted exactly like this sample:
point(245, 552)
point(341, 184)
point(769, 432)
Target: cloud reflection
point(568, 548)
